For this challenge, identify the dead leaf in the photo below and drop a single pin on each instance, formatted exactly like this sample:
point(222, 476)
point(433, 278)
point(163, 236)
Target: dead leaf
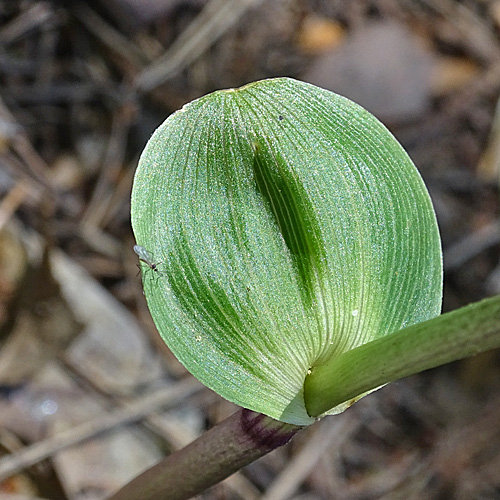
point(381, 66)
point(112, 350)
point(99, 466)
point(451, 73)
point(318, 34)
point(41, 324)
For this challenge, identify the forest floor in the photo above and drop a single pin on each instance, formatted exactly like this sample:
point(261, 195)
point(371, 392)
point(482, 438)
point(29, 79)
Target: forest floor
point(82, 87)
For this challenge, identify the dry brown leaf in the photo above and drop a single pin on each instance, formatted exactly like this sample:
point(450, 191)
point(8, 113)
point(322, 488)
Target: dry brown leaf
point(102, 464)
point(42, 325)
point(381, 66)
point(112, 350)
point(451, 73)
point(318, 34)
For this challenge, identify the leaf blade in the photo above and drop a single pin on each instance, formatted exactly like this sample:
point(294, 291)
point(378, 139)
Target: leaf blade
point(286, 238)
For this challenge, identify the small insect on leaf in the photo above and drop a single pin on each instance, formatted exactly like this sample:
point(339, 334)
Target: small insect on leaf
point(146, 257)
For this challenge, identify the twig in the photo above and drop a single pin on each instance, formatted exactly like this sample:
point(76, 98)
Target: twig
point(109, 36)
point(13, 200)
point(133, 412)
point(112, 165)
point(328, 433)
point(176, 433)
point(37, 15)
point(215, 19)
point(477, 34)
point(20, 143)
point(104, 195)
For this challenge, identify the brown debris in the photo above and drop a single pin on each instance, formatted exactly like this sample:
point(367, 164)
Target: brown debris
point(82, 86)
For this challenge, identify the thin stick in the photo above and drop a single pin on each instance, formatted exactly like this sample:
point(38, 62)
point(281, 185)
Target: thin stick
point(215, 19)
point(133, 412)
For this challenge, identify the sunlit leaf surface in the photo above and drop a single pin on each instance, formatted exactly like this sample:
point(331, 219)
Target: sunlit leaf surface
point(285, 225)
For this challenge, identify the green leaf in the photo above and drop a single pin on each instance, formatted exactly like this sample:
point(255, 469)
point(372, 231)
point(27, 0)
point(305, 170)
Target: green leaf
point(286, 226)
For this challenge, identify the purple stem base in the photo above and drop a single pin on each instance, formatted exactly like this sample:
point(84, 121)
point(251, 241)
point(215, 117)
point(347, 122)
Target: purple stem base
point(226, 448)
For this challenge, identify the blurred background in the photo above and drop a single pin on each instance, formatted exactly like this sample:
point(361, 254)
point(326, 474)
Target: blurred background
point(89, 395)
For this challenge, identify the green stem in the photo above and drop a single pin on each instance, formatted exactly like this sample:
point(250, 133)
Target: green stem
point(454, 335)
point(223, 450)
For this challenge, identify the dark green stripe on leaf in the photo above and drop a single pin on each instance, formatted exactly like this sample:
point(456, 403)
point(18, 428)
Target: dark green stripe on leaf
point(294, 217)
